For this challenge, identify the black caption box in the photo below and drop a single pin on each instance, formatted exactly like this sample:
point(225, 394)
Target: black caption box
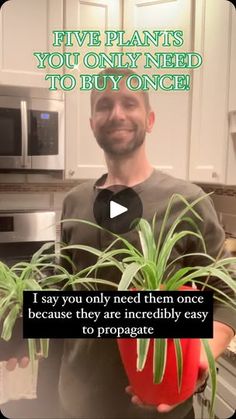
point(122, 314)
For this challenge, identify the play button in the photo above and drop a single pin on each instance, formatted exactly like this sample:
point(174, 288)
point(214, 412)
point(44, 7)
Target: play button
point(117, 209)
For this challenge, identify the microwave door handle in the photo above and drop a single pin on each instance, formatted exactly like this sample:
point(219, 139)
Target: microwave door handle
point(24, 132)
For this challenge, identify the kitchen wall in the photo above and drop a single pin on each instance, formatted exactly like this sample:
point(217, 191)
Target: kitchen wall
point(46, 192)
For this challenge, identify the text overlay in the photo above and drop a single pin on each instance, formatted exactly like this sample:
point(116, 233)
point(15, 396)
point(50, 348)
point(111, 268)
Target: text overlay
point(121, 314)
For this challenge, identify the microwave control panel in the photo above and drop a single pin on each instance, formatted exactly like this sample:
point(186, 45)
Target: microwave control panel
point(43, 133)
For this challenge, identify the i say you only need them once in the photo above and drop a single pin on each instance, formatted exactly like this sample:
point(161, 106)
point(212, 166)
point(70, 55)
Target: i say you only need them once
point(77, 303)
point(93, 60)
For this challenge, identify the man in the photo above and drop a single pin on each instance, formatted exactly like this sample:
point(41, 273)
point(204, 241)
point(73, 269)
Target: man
point(92, 382)
point(92, 379)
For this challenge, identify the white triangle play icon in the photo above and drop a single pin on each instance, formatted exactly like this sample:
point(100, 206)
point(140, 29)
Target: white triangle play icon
point(116, 209)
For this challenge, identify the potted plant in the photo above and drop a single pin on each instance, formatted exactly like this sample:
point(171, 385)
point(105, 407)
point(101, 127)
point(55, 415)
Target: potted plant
point(41, 273)
point(36, 275)
point(168, 367)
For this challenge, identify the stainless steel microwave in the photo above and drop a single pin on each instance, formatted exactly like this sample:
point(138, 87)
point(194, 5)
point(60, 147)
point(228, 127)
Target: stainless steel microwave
point(31, 133)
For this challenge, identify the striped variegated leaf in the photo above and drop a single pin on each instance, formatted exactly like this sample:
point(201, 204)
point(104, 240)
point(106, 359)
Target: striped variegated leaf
point(159, 360)
point(142, 351)
point(179, 361)
point(212, 373)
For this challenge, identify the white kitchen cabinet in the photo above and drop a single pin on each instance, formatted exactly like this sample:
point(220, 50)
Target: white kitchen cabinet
point(231, 163)
point(190, 138)
point(202, 403)
point(26, 27)
point(214, 88)
point(84, 159)
point(225, 402)
point(168, 144)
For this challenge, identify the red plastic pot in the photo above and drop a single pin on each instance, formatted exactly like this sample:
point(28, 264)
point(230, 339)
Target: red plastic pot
point(167, 391)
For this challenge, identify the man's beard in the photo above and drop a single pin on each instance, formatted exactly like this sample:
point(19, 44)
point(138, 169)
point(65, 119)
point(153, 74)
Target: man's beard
point(116, 148)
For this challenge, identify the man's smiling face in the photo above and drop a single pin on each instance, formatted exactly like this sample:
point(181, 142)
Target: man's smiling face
point(120, 120)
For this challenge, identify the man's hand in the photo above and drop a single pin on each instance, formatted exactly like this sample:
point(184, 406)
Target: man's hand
point(222, 335)
point(12, 363)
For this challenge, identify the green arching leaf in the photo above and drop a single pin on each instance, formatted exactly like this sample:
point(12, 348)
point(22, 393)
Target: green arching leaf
point(171, 282)
point(122, 239)
point(168, 245)
point(32, 285)
point(179, 258)
point(196, 280)
point(131, 259)
point(144, 245)
point(212, 373)
point(44, 347)
point(225, 261)
point(54, 279)
point(4, 274)
point(142, 351)
point(146, 239)
point(32, 348)
point(116, 252)
point(89, 249)
point(154, 223)
point(215, 271)
point(159, 359)
point(102, 262)
point(95, 280)
point(231, 302)
point(166, 250)
point(5, 308)
point(128, 276)
point(163, 225)
point(179, 361)
point(188, 207)
point(20, 266)
point(6, 300)
point(190, 221)
point(90, 223)
point(9, 322)
point(67, 259)
point(212, 271)
point(43, 248)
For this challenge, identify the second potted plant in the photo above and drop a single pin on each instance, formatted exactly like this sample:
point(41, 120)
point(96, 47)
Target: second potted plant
point(36, 275)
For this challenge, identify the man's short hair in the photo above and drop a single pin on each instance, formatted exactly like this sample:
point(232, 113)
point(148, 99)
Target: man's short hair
point(124, 72)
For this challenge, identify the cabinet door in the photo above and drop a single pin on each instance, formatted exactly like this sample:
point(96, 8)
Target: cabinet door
point(231, 166)
point(26, 27)
point(201, 406)
point(84, 159)
point(209, 136)
point(167, 145)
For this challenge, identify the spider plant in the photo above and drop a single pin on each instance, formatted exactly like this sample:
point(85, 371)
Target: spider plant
point(36, 275)
point(41, 273)
point(150, 267)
